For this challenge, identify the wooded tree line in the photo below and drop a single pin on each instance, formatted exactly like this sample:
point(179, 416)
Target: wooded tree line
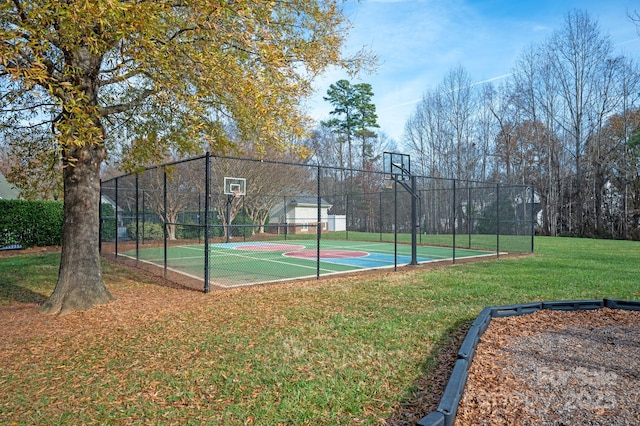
point(567, 120)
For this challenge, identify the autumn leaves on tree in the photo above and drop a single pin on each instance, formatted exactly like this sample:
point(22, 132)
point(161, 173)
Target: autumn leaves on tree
point(83, 78)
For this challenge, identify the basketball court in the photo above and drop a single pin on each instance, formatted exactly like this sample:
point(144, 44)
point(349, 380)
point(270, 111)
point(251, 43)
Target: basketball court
point(229, 222)
point(237, 264)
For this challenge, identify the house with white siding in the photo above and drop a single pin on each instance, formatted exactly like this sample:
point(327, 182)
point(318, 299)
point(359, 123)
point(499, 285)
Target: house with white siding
point(299, 215)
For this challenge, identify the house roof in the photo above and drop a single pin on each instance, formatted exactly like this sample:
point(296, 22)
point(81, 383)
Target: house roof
point(7, 190)
point(308, 200)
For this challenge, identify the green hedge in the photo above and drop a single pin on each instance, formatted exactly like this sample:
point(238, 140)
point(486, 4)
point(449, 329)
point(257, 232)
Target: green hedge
point(147, 231)
point(30, 223)
point(107, 222)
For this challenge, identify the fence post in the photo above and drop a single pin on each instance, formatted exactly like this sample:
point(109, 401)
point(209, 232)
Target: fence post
point(454, 214)
point(469, 210)
point(319, 225)
point(533, 216)
point(228, 218)
point(420, 212)
point(116, 219)
point(286, 220)
point(164, 214)
point(200, 212)
point(137, 223)
point(347, 218)
point(244, 226)
point(143, 216)
point(497, 219)
point(207, 190)
point(380, 216)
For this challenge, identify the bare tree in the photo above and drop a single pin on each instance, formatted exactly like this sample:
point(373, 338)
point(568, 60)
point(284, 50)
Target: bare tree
point(441, 132)
point(267, 186)
point(326, 148)
point(549, 126)
point(534, 93)
point(630, 170)
point(171, 190)
point(459, 108)
point(577, 55)
point(423, 134)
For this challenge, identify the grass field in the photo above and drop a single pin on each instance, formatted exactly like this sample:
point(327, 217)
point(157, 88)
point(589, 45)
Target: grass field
point(339, 351)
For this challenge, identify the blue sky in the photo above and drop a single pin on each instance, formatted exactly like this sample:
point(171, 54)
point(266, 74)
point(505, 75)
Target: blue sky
point(419, 41)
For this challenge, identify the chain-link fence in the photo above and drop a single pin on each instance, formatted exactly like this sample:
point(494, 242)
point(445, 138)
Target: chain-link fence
point(299, 221)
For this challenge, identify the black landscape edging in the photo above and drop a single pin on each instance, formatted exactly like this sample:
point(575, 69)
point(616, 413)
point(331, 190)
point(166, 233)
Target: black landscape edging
point(445, 414)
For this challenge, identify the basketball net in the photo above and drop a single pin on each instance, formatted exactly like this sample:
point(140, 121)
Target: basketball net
point(388, 181)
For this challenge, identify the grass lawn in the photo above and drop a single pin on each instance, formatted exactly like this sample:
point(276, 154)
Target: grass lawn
point(336, 351)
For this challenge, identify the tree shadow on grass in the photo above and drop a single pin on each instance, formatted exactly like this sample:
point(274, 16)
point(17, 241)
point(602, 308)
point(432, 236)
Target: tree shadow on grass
point(424, 395)
point(11, 293)
point(28, 275)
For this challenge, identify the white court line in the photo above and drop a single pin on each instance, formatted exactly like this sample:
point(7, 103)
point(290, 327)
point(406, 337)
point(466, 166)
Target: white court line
point(162, 266)
point(236, 254)
point(370, 247)
point(280, 262)
point(277, 280)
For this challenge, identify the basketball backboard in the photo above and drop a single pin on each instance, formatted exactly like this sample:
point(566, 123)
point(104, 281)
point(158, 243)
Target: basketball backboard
point(396, 166)
point(235, 186)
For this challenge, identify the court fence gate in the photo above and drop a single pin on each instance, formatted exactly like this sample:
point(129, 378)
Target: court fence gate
point(283, 221)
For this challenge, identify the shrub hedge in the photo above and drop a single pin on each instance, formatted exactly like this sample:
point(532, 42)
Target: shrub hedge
point(147, 230)
point(30, 223)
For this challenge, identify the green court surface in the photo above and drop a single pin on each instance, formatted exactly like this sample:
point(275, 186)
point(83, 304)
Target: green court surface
point(257, 262)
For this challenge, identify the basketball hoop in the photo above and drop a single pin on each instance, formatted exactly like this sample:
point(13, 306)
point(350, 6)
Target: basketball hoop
point(396, 165)
point(235, 186)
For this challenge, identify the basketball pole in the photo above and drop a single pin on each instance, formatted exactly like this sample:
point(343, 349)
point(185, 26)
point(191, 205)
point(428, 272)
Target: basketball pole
point(414, 222)
point(207, 191)
point(412, 190)
point(229, 200)
point(398, 168)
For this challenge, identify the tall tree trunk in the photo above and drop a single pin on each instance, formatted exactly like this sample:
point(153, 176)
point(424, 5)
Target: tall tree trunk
point(599, 182)
point(80, 285)
point(579, 219)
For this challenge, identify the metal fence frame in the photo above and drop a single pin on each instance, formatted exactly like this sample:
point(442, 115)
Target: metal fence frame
point(460, 214)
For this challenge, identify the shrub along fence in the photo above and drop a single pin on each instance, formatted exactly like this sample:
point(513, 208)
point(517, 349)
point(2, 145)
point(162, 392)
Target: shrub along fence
point(30, 223)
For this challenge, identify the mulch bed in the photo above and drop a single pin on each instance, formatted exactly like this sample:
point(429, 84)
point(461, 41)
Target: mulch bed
point(32, 250)
point(556, 368)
